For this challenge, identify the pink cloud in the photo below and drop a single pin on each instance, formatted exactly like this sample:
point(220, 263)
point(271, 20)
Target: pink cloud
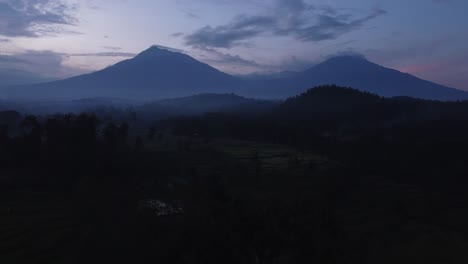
point(419, 68)
point(451, 73)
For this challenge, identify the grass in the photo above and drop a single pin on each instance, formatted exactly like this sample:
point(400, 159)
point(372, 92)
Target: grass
point(35, 227)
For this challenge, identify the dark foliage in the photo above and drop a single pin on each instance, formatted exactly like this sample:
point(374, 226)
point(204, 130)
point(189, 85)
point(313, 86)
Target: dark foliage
point(370, 180)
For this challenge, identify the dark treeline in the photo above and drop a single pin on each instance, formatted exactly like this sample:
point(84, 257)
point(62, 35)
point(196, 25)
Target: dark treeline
point(353, 126)
point(334, 112)
point(373, 180)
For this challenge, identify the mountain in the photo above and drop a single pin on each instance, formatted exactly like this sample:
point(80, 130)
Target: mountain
point(158, 73)
point(359, 73)
point(154, 73)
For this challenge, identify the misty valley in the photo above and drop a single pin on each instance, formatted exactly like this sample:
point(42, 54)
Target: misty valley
point(332, 175)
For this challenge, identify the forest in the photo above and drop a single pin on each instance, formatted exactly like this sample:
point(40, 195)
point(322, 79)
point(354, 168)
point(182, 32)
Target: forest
point(333, 175)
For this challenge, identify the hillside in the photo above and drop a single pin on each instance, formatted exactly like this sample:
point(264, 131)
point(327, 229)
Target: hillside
point(155, 73)
point(361, 74)
point(204, 103)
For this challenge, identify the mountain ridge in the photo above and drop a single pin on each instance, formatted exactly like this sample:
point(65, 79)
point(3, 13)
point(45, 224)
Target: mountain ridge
point(208, 102)
point(158, 73)
point(153, 74)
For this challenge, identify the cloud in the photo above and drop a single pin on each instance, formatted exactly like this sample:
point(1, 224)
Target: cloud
point(111, 48)
point(93, 5)
point(190, 14)
point(33, 18)
point(332, 26)
point(168, 48)
point(346, 53)
point(226, 36)
point(293, 63)
point(236, 64)
point(11, 59)
point(436, 71)
point(176, 35)
point(290, 18)
point(2, 40)
point(43, 63)
point(103, 54)
point(56, 65)
point(213, 56)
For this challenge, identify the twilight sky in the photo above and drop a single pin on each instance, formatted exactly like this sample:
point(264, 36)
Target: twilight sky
point(62, 38)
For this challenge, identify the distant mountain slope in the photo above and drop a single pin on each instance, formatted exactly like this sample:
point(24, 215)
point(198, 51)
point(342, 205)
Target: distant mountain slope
point(361, 74)
point(158, 73)
point(204, 103)
point(154, 73)
point(16, 77)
